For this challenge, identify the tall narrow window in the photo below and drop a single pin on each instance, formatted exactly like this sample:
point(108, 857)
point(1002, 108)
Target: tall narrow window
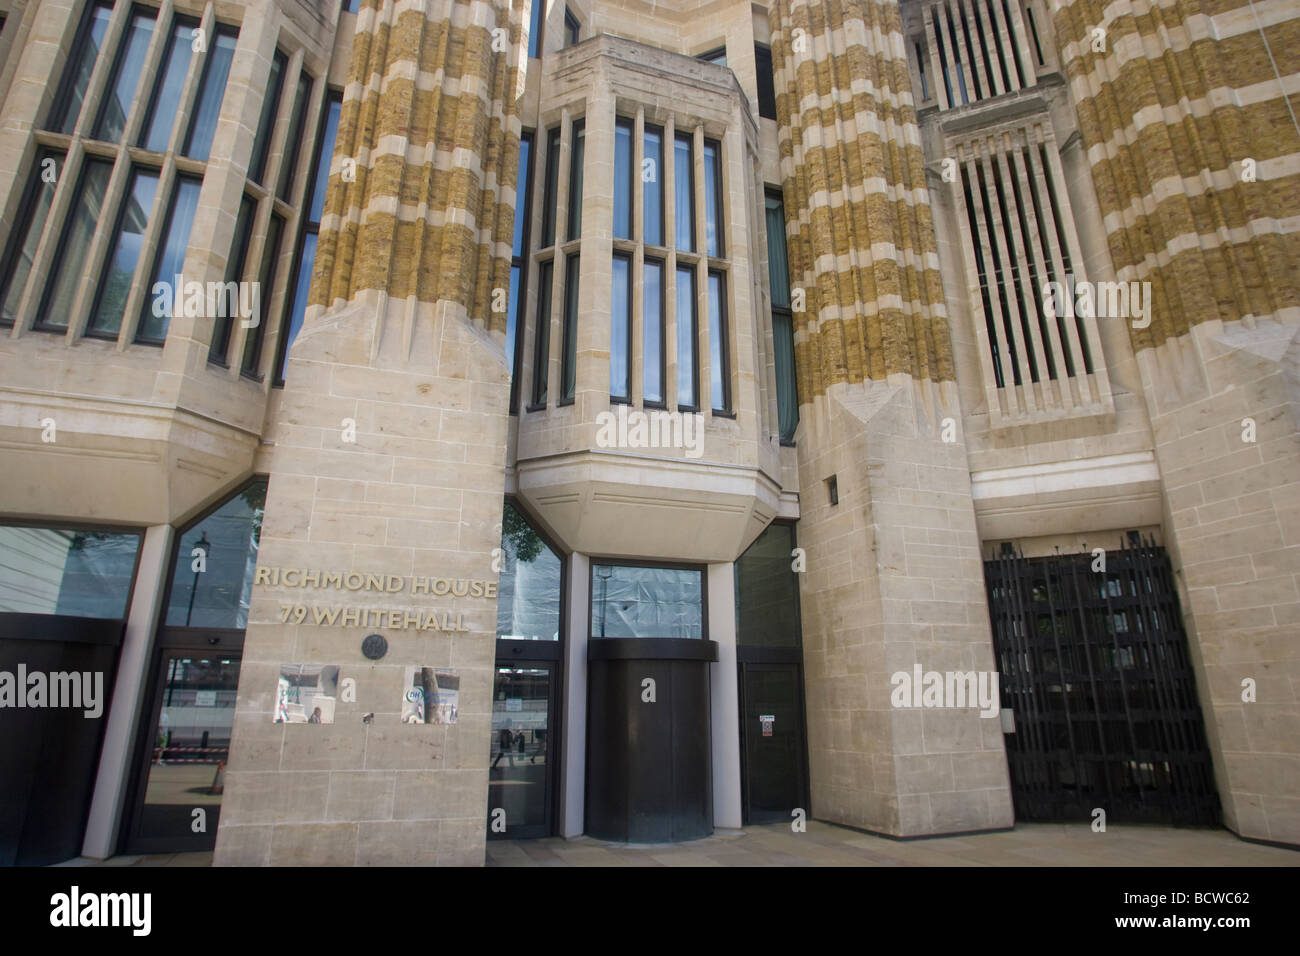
point(542, 338)
point(536, 17)
point(90, 40)
point(115, 285)
point(165, 104)
point(620, 330)
point(251, 361)
point(551, 191)
point(310, 230)
point(235, 265)
point(766, 82)
point(266, 125)
point(652, 193)
point(16, 266)
point(569, 367)
point(572, 28)
point(575, 180)
point(171, 257)
point(622, 179)
point(74, 245)
point(713, 199)
point(778, 270)
point(719, 370)
point(652, 342)
point(203, 127)
point(688, 371)
point(126, 76)
point(519, 262)
point(297, 123)
point(684, 191)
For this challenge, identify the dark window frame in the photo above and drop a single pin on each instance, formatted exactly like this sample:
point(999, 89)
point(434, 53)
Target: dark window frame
point(689, 140)
point(572, 28)
point(115, 73)
point(177, 181)
point(267, 276)
point(542, 336)
point(114, 234)
point(694, 340)
point(724, 345)
point(26, 211)
point(577, 167)
point(631, 284)
point(536, 29)
point(702, 569)
point(65, 229)
point(158, 81)
point(661, 402)
point(648, 130)
point(629, 124)
point(266, 121)
point(712, 56)
point(782, 310)
point(220, 29)
point(551, 187)
point(766, 76)
point(569, 330)
point(285, 180)
point(519, 260)
point(718, 203)
point(236, 266)
point(58, 117)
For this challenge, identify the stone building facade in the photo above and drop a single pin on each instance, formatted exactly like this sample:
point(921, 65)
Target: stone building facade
point(653, 397)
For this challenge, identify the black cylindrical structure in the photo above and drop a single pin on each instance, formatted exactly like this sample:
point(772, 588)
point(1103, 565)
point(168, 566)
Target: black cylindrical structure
point(649, 773)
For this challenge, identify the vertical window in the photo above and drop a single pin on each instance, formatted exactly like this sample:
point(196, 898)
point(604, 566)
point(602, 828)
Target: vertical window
point(536, 16)
point(90, 40)
point(165, 104)
point(687, 336)
point(713, 199)
point(575, 180)
point(519, 262)
point(778, 269)
point(220, 344)
point(542, 340)
point(549, 195)
point(652, 193)
point(569, 367)
point(684, 190)
point(572, 28)
point(171, 256)
point(310, 229)
point(297, 123)
point(652, 341)
point(198, 141)
point(251, 360)
point(115, 284)
point(266, 124)
point(620, 330)
point(622, 179)
point(719, 373)
point(766, 81)
point(126, 77)
point(74, 245)
point(16, 266)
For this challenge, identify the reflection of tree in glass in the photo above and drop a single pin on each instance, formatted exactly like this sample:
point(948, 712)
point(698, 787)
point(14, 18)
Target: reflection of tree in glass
point(254, 496)
point(518, 538)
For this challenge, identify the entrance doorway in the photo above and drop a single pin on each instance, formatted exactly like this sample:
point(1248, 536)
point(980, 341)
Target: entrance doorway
point(520, 790)
point(773, 746)
point(769, 649)
point(1095, 669)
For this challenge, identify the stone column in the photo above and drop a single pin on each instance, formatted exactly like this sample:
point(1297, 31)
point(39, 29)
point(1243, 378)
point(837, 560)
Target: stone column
point(894, 575)
point(389, 461)
point(1196, 161)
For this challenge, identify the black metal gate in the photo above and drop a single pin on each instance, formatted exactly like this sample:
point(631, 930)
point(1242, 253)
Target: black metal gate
point(1094, 666)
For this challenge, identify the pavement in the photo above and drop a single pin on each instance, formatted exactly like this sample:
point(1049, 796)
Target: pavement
point(823, 844)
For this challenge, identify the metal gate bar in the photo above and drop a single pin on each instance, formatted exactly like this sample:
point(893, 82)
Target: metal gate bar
point(1095, 666)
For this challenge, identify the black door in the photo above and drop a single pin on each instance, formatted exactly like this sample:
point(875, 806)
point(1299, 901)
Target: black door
point(49, 754)
point(772, 741)
point(1094, 666)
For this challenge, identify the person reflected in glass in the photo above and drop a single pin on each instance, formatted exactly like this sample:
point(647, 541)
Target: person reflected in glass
point(505, 741)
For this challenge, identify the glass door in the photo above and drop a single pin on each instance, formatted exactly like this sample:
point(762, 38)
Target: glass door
point(520, 781)
point(186, 751)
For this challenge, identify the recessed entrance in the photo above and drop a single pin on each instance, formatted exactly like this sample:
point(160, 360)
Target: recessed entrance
point(1094, 667)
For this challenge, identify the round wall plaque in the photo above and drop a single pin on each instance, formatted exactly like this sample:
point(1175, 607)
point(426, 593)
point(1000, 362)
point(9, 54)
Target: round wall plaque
point(374, 646)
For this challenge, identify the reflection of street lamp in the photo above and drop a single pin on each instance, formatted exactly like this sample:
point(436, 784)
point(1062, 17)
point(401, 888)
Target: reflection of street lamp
point(603, 572)
point(204, 545)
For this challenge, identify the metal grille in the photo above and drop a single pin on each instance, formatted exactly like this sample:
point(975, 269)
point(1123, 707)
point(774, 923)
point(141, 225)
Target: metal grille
point(1094, 665)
